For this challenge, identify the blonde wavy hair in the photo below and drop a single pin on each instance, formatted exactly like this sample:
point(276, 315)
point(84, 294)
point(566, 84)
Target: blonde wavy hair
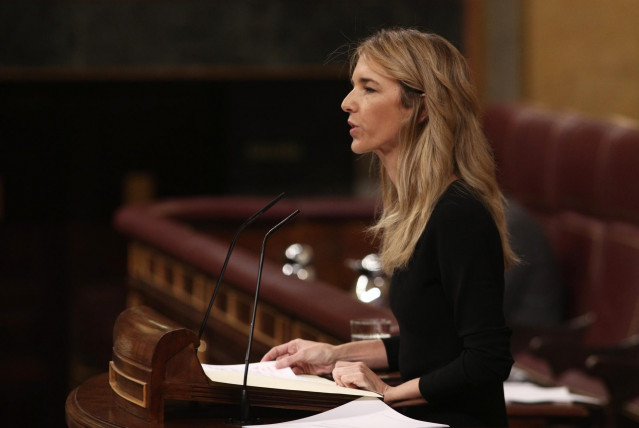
point(434, 78)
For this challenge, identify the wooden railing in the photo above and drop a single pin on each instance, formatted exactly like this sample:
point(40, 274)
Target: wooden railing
point(173, 267)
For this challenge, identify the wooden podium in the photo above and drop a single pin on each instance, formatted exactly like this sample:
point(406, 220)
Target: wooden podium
point(93, 405)
point(155, 361)
point(155, 367)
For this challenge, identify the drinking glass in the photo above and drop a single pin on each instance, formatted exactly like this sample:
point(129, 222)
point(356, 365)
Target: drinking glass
point(370, 328)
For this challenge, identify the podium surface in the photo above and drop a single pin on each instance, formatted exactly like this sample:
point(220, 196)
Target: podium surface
point(93, 404)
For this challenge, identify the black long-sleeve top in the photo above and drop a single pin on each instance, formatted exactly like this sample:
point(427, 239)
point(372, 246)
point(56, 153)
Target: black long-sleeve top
point(448, 304)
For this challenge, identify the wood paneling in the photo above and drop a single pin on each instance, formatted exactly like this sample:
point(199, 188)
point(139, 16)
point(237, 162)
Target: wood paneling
point(582, 55)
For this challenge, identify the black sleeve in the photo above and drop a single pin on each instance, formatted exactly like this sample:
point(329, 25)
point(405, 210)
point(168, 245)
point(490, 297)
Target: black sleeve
point(471, 264)
point(392, 352)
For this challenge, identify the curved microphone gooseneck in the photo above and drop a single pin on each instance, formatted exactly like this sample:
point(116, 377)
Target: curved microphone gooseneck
point(228, 256)
point(244, 403)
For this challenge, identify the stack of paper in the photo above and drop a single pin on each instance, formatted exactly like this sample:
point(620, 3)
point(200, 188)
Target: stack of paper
point(265, 375)
point(526, 392)
point(364, 412)
point(368, 411)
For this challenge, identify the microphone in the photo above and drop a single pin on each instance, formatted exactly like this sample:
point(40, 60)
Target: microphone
point(228, 256)
point(244, 403)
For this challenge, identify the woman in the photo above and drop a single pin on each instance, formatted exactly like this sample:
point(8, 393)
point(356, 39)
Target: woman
point(443, 238)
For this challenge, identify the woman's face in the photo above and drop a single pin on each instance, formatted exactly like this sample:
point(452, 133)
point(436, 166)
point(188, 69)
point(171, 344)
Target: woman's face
point(375, 111)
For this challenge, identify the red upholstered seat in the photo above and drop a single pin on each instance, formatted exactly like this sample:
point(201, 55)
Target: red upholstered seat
point(580, 178)
point(578, 245)
point(499, 125)
point(579, 164)
point(620, 177)
point(616, 293)
point(529, 158)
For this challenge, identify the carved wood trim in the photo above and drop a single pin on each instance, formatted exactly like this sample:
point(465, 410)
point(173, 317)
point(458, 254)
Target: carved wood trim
point(233, 307)
point(127, 387)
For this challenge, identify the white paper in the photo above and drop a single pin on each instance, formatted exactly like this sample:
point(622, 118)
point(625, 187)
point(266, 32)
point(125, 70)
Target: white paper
point(364, 412)
point(266, 368)
point(526, 392)
point(264, 375)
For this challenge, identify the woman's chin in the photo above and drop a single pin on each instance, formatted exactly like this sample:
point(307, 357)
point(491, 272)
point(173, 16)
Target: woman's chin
point(357, 148)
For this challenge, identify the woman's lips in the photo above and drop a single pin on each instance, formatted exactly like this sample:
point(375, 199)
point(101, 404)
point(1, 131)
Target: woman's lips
point(354, 127)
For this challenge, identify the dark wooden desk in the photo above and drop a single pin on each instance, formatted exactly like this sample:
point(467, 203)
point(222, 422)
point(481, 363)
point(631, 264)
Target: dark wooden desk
point(92, 404)
point(551, 414)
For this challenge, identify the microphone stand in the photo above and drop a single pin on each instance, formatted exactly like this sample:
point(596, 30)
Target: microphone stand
point(228, 256)
point(245, 407)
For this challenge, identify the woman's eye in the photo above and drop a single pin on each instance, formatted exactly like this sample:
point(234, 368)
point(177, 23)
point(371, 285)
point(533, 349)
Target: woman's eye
point(369, 89)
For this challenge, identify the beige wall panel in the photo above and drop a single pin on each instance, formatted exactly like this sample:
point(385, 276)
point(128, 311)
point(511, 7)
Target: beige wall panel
point(582, 55)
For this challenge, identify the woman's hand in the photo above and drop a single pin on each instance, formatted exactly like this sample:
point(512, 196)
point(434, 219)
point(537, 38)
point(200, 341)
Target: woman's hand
point(303, 356)
point(358, 375)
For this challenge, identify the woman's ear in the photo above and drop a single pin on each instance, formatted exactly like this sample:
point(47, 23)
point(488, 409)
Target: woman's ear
point(423, 115)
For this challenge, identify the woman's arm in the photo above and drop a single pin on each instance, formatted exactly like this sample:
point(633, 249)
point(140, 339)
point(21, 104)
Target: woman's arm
point(406, 394)
point(307, 357)
point(470, 258)
point(370, 352)
point(352, 365)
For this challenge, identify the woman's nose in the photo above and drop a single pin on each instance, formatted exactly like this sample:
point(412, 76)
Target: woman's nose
point(347, 103)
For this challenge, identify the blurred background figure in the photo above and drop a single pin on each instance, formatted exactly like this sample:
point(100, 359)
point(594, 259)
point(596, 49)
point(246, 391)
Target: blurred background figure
point(534, 295)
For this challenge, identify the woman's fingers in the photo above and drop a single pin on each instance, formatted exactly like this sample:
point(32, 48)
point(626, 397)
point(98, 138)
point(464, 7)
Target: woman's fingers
point(302, 356)
point(354, 375)
point(276, 352)
point(289, 360)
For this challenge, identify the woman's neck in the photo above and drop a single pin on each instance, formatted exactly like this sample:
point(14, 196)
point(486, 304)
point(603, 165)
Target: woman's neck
point(389, 161)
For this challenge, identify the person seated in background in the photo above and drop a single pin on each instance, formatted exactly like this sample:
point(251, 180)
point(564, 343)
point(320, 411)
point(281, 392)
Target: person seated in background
point(534, 294)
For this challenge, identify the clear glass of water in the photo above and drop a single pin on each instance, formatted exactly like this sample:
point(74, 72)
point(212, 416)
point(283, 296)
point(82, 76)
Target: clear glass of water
point(370, 328)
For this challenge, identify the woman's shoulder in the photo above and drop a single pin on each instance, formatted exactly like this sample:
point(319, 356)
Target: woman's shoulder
point(459, 200)
point(460, 211)
point(460, 216)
